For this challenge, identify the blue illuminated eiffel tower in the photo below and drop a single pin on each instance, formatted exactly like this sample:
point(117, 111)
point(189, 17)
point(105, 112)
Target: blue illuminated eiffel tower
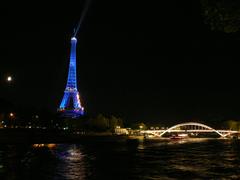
point(71, 105)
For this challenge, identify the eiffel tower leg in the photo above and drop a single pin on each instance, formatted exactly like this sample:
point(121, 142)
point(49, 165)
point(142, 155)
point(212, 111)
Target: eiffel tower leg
point(65, 100)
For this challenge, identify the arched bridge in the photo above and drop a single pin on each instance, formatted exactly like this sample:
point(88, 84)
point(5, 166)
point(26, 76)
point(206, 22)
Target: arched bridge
point(190, 127)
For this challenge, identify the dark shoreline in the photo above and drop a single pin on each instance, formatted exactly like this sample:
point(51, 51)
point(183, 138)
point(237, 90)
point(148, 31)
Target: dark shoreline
point(32, 136)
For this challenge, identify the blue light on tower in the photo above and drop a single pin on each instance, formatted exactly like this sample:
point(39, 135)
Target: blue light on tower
point(71, 105)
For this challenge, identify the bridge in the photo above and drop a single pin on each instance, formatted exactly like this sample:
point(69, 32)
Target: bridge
point(190, 127)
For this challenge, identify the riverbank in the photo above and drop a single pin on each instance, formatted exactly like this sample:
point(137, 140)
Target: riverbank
point(32, 136)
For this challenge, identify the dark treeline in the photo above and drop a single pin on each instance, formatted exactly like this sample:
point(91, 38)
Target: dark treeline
point(222, 15)
point(99, 123)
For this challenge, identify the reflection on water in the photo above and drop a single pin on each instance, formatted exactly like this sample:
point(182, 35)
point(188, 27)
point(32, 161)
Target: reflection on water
point(72, 164)
point(158, 159)
point(50, 146)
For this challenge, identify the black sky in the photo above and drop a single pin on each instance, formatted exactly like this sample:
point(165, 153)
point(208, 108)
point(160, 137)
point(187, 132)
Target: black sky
point(144, 61)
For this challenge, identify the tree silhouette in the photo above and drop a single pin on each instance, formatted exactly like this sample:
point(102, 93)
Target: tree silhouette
point(222, 15)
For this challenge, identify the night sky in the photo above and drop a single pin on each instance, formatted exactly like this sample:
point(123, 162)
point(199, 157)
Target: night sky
point(143, 61)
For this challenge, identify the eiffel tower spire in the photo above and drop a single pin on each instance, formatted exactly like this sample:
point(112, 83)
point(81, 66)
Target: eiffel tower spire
point(71, 105)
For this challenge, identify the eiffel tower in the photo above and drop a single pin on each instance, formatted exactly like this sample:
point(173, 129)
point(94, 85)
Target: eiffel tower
point(71, 105)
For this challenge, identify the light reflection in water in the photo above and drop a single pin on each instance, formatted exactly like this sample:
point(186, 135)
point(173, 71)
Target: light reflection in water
point(38, 145)
point(72, 164)
point(188, 140)
point(165, 159)
point(73, 154)
point(50, 146)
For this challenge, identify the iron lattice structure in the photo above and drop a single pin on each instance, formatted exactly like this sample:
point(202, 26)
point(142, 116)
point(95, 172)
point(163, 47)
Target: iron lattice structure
point(71, 105)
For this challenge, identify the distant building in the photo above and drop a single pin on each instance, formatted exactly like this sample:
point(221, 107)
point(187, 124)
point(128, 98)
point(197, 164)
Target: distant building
point(2, 123)
point(121, 131)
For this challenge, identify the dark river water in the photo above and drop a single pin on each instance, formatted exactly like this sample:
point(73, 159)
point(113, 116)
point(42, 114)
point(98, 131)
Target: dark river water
point(132, 159)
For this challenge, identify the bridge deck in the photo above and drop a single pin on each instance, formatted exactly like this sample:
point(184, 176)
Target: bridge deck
point(190, 131)
point(191, 127)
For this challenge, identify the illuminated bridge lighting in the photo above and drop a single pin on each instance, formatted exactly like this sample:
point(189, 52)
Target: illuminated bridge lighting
point(190, 127)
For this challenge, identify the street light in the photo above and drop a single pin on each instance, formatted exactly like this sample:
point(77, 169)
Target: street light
point(11, 115)
point(9, 79)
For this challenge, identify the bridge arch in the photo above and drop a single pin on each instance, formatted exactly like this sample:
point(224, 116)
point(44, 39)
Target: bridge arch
point(191, 124)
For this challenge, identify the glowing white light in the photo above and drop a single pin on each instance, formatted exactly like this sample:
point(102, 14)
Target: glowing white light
point(183, 135)
point(74, 39)
point(9, 78)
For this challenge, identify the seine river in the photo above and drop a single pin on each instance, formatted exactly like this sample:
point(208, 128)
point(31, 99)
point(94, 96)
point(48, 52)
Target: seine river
point(132, 159)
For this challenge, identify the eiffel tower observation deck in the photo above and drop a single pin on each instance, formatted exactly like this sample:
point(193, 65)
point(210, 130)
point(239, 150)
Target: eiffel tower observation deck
point(70, 105)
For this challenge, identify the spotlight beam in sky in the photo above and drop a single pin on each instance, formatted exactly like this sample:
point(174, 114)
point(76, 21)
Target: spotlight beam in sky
point(86, 7)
